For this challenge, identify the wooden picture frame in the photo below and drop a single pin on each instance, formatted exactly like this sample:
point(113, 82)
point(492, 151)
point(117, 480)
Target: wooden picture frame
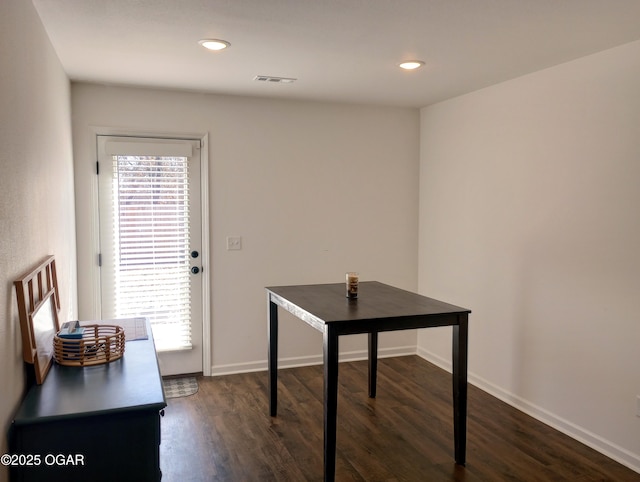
point(44, 325)
point(38, 307)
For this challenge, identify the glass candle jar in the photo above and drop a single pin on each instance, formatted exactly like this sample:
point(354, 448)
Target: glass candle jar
point(352, 285)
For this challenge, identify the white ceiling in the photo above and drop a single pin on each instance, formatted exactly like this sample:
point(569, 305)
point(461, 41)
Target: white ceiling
point(339, 50)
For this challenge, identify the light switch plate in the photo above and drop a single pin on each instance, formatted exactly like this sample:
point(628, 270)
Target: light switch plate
point(234, 243)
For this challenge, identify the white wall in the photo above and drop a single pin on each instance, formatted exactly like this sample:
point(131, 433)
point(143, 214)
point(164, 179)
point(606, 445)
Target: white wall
point(36, 185)
point(529, 216)
point(314, 189)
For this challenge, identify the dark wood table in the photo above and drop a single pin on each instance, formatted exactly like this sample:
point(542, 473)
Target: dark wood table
point(379, 307)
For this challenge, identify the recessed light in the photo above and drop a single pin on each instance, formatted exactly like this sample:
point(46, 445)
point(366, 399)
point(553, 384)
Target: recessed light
point(214, 44)
point(411, 64)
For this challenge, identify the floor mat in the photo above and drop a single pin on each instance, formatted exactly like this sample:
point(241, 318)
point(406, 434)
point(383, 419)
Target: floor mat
point(179, 387)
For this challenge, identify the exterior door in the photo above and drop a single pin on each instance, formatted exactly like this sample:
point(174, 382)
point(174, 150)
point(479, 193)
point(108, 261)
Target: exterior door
point(150, 242)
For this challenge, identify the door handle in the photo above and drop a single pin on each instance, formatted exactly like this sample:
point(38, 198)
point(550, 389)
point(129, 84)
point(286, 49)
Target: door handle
point(194, 254)
point(195, 270)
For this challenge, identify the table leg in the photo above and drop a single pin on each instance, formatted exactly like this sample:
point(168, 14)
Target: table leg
point(373, 363)
point(273, 358)
point(460, 347)
point(330, 355)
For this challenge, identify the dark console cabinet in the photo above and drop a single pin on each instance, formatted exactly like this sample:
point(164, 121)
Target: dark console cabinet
point(99, 423)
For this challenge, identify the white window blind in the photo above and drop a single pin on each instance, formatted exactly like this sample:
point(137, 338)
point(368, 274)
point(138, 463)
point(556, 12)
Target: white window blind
point(151, 243)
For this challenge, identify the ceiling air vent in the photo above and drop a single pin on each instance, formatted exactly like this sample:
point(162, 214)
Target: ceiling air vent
point(274, 80)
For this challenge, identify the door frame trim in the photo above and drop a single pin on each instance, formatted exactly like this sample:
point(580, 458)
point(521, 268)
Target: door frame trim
point(94, 270)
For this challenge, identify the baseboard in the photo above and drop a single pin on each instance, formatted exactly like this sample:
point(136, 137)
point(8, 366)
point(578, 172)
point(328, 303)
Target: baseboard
point(590, 439)
point(292, 362)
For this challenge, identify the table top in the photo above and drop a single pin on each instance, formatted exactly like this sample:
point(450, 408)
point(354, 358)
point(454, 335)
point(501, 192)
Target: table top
point(378, 306)
point(131, 383)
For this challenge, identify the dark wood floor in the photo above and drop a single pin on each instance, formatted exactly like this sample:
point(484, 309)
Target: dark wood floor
point(225, 433)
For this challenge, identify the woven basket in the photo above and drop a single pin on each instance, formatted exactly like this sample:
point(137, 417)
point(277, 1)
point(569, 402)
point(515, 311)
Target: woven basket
point(99, 344)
